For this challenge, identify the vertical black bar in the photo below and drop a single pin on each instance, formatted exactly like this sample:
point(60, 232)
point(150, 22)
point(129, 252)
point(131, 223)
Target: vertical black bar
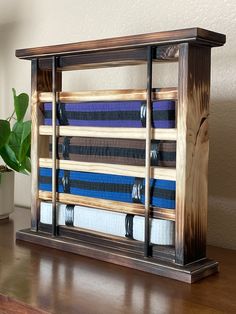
point(35, 204)
point(148, 156)
point(54, 146)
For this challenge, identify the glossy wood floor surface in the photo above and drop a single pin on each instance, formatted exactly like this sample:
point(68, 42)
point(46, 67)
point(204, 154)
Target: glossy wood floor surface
point(12, 306)
point(61, 283)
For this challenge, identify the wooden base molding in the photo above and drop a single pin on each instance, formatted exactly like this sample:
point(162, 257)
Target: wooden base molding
point(189, 273)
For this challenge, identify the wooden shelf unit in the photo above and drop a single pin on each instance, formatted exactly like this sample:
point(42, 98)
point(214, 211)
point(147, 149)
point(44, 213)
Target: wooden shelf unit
point(191, 48)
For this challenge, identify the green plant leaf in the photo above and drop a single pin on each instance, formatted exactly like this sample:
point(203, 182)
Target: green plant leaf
point(15, 138)
point(24, 148)
point(20, 139)
point(4, 132)
point(9, 157)
point(26, 130)
point(25, 166)
point(22, 169)
point(15, 143)
point(28, 164)
point(29, 151)
point(18, 130)
point(21, 103)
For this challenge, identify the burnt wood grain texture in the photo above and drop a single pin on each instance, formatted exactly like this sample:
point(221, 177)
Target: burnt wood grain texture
point(163, 173)
point(110, 132)
point(102, 240)
point(120, 207)
point(41, 81)
point(189, 273)
point(167, 93)
point(113, 58)
point(198, 35)
point(192, 153)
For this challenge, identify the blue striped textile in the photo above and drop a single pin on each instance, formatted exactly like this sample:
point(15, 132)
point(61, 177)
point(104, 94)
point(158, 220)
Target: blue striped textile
point(110, 187)
point(112, 114)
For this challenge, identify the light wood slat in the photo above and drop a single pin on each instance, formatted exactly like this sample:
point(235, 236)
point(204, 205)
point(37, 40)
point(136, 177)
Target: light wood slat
point(112, 95)
point(125, 133)
point(163, 173)
point(115, 206)
point(40, 81)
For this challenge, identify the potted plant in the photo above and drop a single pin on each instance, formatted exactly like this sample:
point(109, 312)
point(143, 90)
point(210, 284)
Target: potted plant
point(15, 137)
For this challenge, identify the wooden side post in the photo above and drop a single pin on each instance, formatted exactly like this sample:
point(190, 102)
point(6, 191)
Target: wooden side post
point(192, 153)
point(147, 152)
point(41, 82)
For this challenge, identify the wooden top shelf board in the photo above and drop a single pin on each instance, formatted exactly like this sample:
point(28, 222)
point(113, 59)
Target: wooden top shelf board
point(197, 35)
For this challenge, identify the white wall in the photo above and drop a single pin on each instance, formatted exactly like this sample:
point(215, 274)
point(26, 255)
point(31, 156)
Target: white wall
point(28, 23)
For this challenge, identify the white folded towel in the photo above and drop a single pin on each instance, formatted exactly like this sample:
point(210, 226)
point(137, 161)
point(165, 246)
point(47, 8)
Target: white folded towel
point(161, 231)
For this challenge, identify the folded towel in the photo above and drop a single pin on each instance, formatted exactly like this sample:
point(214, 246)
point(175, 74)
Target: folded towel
point(113, 223)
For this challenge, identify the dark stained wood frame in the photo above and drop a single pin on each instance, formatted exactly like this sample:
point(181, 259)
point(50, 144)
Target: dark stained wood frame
point(191, 48)
point(196, 35)
point(190, 273)
point(109, 241)
point(40, 81)
point(192, 153)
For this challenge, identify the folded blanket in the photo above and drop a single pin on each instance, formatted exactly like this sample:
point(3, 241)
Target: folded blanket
point(117, 224)
point(111, 187)
point(112, 114)
point(115, 151)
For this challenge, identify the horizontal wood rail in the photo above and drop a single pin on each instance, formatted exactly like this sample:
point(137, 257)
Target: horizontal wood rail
point(169, 93)
point(112, 58)
point(164, 252)
point(115, 206)
point(195, 35)
point(163, 173)
point(125, 133)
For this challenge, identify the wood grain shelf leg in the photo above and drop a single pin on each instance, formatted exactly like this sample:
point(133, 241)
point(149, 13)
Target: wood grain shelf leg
point(192, 153)
point(41, 82)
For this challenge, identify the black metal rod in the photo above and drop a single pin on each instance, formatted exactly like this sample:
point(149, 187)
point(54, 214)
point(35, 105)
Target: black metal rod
point(54, 146)
point(148, 156)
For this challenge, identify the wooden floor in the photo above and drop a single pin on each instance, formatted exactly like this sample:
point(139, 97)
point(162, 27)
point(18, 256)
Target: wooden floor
point(61, 283)
point(12, 306)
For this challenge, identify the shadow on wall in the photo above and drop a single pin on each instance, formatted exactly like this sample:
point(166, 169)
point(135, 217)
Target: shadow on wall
point(222, 176)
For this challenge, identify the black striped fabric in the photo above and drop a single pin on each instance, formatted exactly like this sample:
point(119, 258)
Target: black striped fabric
point(111, 187)
point(115, 151)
